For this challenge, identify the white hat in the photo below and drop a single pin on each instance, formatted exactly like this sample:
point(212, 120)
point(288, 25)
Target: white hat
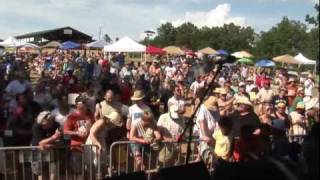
point(291, 80)
point(43, 115)
point(243, 100)
point(173, 110)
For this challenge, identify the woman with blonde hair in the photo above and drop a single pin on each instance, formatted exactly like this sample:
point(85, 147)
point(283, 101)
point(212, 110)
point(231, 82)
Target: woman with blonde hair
point(144, 132)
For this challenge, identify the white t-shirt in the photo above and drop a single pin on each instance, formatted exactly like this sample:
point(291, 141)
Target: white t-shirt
point(221, 81)
point(195, 86)
point(211, 118)
point(136, 112)
point(177, 102)
point(60, 118)
point(249, 87)
point(244, 72)
point(170, 71)
point(15, 87)
point(308, 86)
point(170, 127)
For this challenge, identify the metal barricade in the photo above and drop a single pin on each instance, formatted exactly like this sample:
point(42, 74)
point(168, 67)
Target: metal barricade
point(58, 163)
point(122, 159)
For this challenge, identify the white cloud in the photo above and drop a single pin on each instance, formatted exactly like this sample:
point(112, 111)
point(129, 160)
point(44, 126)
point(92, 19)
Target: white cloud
point(215, 17)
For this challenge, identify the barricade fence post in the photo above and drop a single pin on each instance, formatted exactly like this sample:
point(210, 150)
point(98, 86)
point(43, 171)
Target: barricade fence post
point(172, 154)
point(29, 162)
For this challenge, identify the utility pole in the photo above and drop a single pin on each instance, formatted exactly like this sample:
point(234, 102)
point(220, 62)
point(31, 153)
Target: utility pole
point(99, 33)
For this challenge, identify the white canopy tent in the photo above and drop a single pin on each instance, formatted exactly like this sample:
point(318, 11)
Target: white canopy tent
point(30, 45)
point(300, 57)
point(125, 45)
point(97, 44)
point(11, 42)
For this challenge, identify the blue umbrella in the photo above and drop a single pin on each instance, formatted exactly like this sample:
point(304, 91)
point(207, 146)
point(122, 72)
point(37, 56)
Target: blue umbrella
point(265, 63)
point(69, 45)
point(222, 53)
point(219, 53)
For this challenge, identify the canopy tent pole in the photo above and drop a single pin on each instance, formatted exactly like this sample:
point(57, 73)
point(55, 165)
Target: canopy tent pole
point(145, 56)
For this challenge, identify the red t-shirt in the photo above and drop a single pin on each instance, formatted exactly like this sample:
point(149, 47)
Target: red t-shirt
point(77, 122)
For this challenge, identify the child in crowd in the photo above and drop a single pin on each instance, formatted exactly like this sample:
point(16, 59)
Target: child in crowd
point(222, 139)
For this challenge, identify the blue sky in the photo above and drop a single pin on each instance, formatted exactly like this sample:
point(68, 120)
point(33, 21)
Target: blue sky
point(120, 18)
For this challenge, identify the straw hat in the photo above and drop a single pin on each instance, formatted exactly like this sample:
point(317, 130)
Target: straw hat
point(173, 110)
point(243, 100)
point(211, 103)
point(223, 91)
point(217, 90)
point(300, 105)
point(137, 95)
point(115, 118)
point(310, 76)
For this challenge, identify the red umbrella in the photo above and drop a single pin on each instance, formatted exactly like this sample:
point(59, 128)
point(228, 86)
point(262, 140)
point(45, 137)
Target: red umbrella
point(189, 52)
point(155, 50)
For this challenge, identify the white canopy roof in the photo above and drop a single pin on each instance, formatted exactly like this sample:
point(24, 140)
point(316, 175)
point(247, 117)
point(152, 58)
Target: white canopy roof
point(125, 45)
point(242, 54)
point(97, 44)
point(10, 42)
point(30, 45)
point(300, 57)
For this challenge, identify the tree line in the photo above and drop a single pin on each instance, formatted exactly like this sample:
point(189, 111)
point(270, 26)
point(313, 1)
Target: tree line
point(288, 36)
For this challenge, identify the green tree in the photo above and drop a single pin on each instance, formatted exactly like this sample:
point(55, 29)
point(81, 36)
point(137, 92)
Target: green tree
point(166, 35)
point(186, 35)
point(314, 19)
point(286, 37)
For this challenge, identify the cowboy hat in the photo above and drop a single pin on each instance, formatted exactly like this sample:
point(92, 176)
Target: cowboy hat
point(216, 90)
point(223, 91)
point(115, 118)
point(211, 103)
point(137, 95)
point(173, 110)
point(243, 100)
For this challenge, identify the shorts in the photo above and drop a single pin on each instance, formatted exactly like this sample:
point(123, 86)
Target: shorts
point(137, 148)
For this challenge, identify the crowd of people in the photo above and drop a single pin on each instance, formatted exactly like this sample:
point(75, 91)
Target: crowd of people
point(250, 112)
